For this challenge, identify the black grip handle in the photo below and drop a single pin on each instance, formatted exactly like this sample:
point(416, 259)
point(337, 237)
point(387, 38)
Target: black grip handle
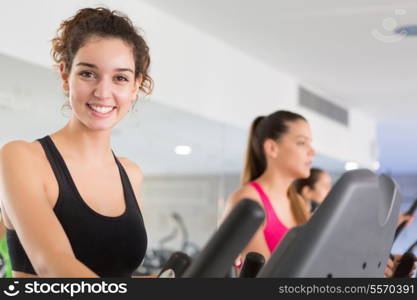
point(253, 263)
point(177, 263)
point(228, 241)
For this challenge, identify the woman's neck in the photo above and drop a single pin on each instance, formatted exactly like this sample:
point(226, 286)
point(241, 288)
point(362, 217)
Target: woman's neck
point(275, 183)
point(83, 144)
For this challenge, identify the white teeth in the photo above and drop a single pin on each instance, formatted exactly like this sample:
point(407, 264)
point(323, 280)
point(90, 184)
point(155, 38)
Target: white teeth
point(101, 109)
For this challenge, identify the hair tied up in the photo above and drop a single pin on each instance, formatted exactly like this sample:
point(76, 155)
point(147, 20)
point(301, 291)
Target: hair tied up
point(257, 121)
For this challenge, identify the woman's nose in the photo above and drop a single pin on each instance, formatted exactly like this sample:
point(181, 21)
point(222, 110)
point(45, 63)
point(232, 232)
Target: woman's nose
point(312, 152)
point(103, 89)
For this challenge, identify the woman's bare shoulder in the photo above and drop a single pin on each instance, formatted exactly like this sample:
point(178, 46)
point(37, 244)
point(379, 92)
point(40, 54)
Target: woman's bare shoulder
point(20, 166)
point(22, 155)
point(246, 191)
point(133, 170)
point(19, 148)
point(14, 151)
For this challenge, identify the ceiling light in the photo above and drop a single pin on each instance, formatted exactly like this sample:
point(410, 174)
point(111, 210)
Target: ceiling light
point(351, 165)
point(183, 150)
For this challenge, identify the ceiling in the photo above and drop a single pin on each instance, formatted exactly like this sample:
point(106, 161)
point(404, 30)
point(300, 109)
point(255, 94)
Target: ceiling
point(345, 48)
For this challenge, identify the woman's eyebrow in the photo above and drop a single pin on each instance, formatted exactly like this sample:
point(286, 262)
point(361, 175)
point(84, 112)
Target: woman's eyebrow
point(93, 66)
point(303, 137)
point(125, 70)
point(87, 65)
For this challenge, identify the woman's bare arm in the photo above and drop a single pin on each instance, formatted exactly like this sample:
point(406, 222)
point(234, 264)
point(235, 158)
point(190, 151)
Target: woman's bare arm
point(257, 243)
point(26, 205)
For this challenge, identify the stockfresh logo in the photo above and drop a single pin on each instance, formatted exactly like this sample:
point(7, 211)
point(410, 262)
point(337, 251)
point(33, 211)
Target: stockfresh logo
point(11, 290)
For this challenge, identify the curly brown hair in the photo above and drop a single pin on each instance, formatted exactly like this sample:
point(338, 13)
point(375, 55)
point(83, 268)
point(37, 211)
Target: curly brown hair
point(74, 33)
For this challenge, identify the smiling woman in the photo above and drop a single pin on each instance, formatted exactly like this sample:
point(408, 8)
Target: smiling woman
point(101, 85)
point(71, 207)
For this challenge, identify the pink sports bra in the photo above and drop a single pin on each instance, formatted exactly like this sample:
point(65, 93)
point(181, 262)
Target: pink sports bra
point(274, 230)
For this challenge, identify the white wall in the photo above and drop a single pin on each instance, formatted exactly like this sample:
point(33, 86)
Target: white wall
point(30, 100)
point(354, 143)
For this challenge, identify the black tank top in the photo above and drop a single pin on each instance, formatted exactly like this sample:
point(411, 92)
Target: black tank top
point(109, 246)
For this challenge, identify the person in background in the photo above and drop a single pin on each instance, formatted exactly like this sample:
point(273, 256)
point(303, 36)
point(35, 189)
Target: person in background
point(314, 188)
point(279, 151)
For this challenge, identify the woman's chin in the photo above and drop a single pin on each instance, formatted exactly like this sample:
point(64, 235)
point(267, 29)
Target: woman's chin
point(100, 126)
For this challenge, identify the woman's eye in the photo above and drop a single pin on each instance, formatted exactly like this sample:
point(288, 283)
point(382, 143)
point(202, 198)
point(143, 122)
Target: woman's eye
point(121, 78)
point(87, 74)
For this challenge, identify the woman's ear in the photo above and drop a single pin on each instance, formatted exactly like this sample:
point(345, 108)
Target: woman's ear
point(138, 82)
point(64, 76)
point(271, 148)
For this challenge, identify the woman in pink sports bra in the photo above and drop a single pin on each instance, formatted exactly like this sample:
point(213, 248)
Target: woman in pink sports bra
point(279, 151)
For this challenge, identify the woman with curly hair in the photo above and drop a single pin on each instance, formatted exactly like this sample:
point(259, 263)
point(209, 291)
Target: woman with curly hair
point(71, 206)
